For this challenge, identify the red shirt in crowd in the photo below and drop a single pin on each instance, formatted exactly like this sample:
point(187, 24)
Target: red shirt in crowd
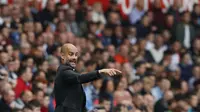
point(21, 86)
point(120, 59)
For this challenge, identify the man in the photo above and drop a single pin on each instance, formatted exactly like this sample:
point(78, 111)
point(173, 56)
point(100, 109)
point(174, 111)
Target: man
point(68, 90)
point(23, 81)
point(6, 100)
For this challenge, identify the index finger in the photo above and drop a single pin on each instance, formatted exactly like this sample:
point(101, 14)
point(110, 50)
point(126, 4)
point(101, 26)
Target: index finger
point(118, 71)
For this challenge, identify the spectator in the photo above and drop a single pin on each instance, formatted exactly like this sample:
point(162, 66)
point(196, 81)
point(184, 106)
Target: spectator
point(161, 105)
point(23, 81)
point(160, 89)
point(8, 97)
point(187, 28)
point(137, 12)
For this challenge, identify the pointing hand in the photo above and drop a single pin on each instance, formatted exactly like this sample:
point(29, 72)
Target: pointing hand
point(110, 72)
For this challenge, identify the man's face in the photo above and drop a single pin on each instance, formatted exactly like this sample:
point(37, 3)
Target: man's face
point(10, 97)
point(71, 56)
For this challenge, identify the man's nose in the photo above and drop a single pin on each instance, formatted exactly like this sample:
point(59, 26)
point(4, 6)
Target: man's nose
point(74, 57)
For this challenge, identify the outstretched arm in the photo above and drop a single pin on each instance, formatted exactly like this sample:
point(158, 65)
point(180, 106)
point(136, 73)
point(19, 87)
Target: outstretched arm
point(72, 77)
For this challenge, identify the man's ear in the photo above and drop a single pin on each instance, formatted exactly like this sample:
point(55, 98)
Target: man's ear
point(62, 56)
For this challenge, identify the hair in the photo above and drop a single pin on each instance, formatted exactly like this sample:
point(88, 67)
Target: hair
point(34, 103)
point(90, 63)
point(23, 70)
point(104, 85)
point(35, 90)
point(27, 106)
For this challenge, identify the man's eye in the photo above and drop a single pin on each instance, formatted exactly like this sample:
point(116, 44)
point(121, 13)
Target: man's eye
point(70, 54)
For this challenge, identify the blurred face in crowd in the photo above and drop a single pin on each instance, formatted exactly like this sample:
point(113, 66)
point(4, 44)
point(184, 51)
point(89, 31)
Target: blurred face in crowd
point(194, 101)
point(38, 27)
point(114, 18)
point(73, 3)
point(16, 12)
point(122, 84)
point(138, 86)
point(124, 50)
point(196, 44)
point(46, 101)
point(108, 32)
point(44, 66)
point(166, 35)
point(5, 32)
point(29, 26)
point(9, 96)
point(196, 72)
point(184, 87)
point(177, 3)
point(51, 5)
point(16, 65)
point(187, 59)
point(69, 54)
point(31, 37)
point(149, 100)
point(62, 26)
point(106, 104)
point(186, 17)
point(27, 11)
point(28, 96)
point(9, 50)
point(170, 20)
point(29, 62)
point(4, 58)
point(157, 4)
point(40, 96)
point(71, 15)
point(183, 105)
point(27, 75)
point(141, 69)
point(97, 84)
point(145, 21)
point(118, 32)
point(138, 100)
point(5, 11)
point(110, 86)
point(147, 84)
point(168, 95)
point(93, 28)
point(159, 41)
point(165, 84)
point(97, 7)
point(197, 9)
point(53, 64)
point(176, 74)
point(4, 74)
point(140, 4)
point(111, 50)
point(176, 47)
point(142, 45)
point(25, 48)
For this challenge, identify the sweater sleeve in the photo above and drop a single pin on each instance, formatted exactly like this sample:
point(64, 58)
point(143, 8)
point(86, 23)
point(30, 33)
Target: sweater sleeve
point(72, 77)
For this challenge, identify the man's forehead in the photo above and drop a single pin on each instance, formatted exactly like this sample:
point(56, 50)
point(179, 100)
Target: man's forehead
point(72, 49)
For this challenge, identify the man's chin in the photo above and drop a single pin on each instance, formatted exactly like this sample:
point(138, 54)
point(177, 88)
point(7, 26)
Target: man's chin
point(73, 65)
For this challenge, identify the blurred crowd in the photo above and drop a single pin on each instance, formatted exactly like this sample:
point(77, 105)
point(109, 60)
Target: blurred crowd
point(158, 53)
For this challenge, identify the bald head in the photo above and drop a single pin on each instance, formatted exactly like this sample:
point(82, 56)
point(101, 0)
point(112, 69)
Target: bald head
point(66, 47)
point(69, 54)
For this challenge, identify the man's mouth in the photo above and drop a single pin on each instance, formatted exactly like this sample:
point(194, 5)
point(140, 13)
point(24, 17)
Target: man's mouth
point(73, 63)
